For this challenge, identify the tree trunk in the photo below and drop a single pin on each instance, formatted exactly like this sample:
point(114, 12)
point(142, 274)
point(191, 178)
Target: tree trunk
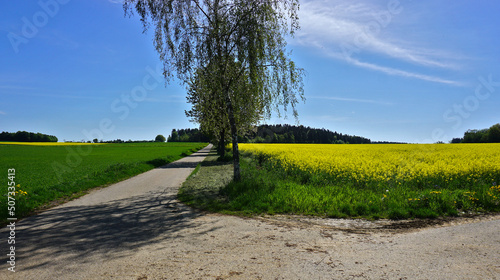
point(234, 137)
point(236, 152)
point(222, 63)
point(222, 144)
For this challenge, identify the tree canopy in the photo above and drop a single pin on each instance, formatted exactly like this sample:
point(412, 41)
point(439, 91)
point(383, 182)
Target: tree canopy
point(24, 136)
point(187, 135)
point(208, 107)
point(160, 138)
point(236, 49)
point(488, 135)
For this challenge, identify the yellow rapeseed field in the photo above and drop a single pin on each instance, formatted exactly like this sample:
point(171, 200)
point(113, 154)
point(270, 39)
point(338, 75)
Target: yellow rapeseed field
point(424, 166)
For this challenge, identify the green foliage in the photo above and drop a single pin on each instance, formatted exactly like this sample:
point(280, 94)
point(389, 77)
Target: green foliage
point(24, 136)
point(231, 54)
point(490, 135)
point(160, 138)
point(208, 104)
point(299, 134)
point(227, 157)
point(494, 133)
point(49, 173)
point(189, 134)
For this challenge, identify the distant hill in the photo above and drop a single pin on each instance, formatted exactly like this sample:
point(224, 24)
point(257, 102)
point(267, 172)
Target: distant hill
point(277, 134)
point(24, 136)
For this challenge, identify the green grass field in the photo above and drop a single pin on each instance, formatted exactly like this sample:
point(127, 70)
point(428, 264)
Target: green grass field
point(46, 173)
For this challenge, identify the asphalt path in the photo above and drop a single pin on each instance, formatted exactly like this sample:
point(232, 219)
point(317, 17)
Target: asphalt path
point(105, 224)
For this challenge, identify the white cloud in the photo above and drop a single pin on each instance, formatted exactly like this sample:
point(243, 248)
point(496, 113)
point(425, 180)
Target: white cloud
point(3, 113)
point(343, 30)
point(397, 72)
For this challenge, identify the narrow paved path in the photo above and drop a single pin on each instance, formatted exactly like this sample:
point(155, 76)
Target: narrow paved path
point(104, 225)
point(137, 230)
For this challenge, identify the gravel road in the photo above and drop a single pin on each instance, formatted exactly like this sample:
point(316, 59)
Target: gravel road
point(137, 230)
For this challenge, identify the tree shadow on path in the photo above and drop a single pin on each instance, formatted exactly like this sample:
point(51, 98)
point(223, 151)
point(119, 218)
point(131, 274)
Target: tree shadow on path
point(114, 230)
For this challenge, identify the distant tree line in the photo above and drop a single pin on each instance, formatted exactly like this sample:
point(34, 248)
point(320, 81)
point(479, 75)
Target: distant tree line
point(158, 138)
point(187, 135)
point(24, 136)
point(387, 142)
point(487, 135)
point(299, 134)
point(276, 134)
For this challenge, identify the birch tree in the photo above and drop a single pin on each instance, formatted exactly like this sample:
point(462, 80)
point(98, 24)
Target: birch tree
point(240, 42)
point(208, 105)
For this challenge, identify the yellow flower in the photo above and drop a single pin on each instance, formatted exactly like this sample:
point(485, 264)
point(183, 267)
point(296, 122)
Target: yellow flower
point(389, 164)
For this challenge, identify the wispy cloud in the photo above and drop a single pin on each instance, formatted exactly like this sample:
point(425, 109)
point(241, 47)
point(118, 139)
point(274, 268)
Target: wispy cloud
point(398, 72)
point(3, 113)
point(352, 100)
point(343, 30)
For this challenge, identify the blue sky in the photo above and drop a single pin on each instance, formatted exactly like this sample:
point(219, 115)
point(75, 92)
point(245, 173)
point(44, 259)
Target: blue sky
point(410, 71)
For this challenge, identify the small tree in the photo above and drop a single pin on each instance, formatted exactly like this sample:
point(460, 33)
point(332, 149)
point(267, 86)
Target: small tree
point(160, 138)
point(206, 100)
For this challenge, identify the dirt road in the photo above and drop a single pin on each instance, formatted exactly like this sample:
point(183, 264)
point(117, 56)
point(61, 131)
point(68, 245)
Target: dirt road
point(137, 229)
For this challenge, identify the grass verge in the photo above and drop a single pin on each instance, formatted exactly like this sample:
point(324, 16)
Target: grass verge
point(267, 189)
point(203, 188)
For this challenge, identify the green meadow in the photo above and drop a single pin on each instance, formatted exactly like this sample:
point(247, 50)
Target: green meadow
point(47, 174)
